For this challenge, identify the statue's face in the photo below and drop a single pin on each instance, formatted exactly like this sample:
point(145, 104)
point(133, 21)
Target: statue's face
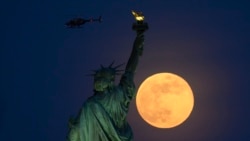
point(103, 79)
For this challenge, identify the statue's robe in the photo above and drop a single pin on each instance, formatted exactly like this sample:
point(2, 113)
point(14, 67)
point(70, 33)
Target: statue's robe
point(103, 116)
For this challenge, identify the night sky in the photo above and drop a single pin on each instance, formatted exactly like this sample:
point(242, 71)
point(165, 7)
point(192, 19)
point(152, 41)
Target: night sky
point(44, 64)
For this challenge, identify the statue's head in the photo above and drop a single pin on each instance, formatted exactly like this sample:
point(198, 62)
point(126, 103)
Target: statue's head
point(104, 77)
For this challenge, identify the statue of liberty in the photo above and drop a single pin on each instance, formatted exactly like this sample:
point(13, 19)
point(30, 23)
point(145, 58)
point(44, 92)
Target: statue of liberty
point(102, 116)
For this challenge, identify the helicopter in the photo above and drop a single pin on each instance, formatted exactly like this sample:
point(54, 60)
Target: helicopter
point(77, 22)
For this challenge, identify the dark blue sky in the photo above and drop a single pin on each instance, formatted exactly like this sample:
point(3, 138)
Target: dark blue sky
point(43, 64)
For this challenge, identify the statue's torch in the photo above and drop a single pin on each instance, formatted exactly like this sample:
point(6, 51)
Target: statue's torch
point(140, 25)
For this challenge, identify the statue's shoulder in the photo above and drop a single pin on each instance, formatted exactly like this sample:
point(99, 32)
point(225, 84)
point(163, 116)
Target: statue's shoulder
point(89, 101)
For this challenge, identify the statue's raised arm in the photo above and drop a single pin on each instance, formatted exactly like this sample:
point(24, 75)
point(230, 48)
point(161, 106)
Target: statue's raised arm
point(135, 54)
point(140, 27)
point(127, 79)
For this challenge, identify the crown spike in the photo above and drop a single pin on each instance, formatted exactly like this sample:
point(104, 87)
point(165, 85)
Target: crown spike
point(110, 66)
point(118, 66)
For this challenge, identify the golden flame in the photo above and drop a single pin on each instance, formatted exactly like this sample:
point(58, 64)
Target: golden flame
point(138, 16)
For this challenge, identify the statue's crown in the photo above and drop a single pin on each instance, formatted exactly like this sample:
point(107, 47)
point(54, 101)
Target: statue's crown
point(109, 71)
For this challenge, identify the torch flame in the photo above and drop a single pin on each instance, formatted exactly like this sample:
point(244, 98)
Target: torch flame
point(138, 16)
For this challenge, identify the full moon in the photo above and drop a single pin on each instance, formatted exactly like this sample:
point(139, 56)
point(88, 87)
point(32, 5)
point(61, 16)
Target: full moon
point(164, 100)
